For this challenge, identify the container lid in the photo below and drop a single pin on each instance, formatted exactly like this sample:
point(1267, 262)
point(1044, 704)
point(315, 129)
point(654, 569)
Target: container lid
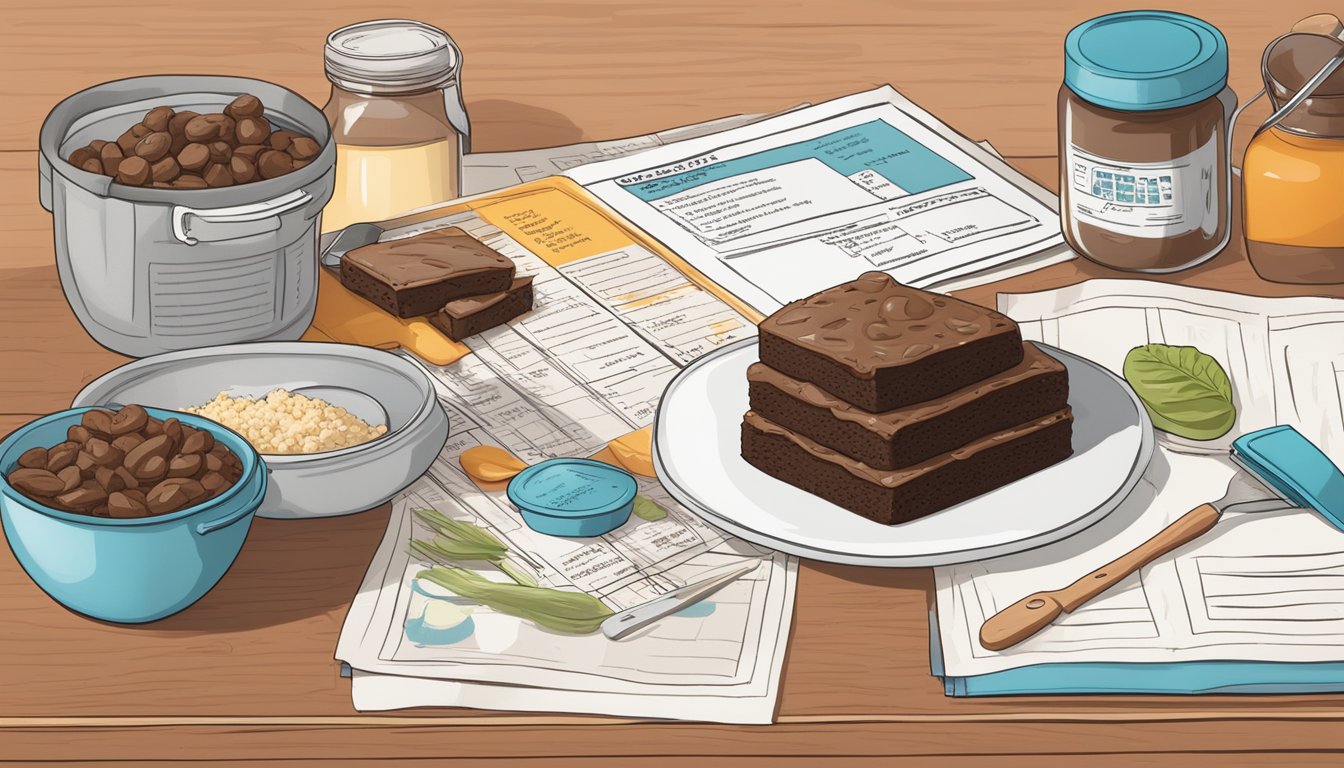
point(391, 56)
point(572, 488)
point(1145, 60)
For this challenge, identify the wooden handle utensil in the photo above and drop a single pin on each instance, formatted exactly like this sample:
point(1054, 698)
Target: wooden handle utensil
point(1034, 612)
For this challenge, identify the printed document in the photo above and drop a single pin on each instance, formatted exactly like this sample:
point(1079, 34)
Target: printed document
point(587, 365)
point(489, 171)
point(776, 210)
point(1258, 586)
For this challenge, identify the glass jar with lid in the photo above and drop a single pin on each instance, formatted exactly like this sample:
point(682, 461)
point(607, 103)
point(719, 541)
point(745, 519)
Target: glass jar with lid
point(397, 118)
point(1145, 180)
point(1293, 174)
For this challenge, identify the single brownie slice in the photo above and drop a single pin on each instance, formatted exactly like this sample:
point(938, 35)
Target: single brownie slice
point(1034, 387)
point(881, 345)
point(418, 275)
point(468, 317)
point(901, 495)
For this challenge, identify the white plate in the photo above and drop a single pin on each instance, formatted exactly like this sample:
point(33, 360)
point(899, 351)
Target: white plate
point(697, 454)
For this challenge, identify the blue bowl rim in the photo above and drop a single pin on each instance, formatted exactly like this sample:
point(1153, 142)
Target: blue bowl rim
point(252, 463)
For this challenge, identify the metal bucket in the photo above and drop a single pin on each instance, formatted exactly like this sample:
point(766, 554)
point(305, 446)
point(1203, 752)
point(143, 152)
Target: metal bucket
point(155, 270)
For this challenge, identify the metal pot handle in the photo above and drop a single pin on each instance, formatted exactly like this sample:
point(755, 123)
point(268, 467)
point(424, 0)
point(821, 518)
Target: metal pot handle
point(221, 223)
point(44, 181)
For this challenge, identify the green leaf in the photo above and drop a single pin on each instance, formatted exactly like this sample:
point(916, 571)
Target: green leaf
point(648, 509)
point(458, 530)
point(516, 573)
point(1185, 391)
point(570, 612)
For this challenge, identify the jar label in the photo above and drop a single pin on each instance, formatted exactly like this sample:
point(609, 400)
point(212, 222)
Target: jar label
point(1146, 199)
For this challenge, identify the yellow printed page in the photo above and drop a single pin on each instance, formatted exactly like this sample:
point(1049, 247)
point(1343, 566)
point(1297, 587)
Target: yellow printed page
point(554, 218)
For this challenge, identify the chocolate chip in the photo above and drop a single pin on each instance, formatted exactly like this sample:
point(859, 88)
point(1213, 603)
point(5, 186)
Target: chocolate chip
point(123, 505)
point(193, 157)
point(71, 477)
point(218, 175)
point(220, 152)
point(164, 171)
point(242, 169)
point(274, 163)
point(158, 118)
point(34, 458)
point(281, 139)
point(304, 148)
point(111, 156)
point(154, 147)
point(38, 482)
point(87, 495)
point(62, 455)
point(98, 422)
point(185, 465)
point(245, 105)
point(134, 171)
point(252, 130)
point(197, 440)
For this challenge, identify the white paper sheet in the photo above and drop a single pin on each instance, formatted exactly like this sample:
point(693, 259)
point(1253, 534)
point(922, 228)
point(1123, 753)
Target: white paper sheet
point(587, 365)
point(1258, 587)
point(488, 171)
point(778, 209)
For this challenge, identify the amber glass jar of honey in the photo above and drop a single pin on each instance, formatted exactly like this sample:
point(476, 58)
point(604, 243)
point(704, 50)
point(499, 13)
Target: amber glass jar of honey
point(1293, 174)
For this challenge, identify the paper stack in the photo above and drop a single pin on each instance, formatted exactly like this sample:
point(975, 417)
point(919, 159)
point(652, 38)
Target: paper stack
point(1256, 604)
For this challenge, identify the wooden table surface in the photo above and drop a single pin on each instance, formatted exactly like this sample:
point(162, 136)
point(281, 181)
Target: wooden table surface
point(247, 674)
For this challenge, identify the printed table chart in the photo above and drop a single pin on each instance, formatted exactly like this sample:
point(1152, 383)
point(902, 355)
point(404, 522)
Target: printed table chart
point(247, 675)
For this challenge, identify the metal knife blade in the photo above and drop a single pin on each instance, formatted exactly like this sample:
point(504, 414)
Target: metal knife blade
point(625, 622)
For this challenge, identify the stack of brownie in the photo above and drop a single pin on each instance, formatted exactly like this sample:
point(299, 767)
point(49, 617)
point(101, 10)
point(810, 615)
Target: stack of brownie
point(464, 286)
point(895, 403)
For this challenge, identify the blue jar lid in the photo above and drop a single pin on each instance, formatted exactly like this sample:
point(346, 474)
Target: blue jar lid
point(572, 488)
point(1145, 60)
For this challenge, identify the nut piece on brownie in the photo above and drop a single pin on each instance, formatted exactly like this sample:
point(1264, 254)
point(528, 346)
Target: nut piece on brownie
point(881, 345)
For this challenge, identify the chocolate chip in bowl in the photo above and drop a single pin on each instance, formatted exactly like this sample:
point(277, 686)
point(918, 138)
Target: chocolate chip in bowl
point(166, 144)
point(220, 252)
point(127, 515)
point(126, 463)
point(341, 428)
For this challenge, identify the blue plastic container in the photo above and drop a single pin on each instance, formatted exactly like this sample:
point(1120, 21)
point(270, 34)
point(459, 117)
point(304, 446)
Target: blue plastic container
point(128, 570)
point(573, 497)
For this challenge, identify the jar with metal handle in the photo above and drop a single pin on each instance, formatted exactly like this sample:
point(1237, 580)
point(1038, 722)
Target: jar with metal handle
point(1293, 173)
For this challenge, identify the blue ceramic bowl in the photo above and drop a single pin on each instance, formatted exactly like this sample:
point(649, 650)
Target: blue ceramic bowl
point(128, 570)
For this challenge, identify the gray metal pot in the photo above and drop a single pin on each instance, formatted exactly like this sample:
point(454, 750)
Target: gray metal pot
point(156, 270)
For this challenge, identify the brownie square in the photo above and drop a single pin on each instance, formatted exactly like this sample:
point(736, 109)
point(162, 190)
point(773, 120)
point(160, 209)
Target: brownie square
point(904, 436)
point(898, 496)
point(467, 317)
point(880, 345)
point(418, 275)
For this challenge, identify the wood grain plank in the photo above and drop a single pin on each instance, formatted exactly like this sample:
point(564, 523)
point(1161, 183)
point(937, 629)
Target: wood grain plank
point(674, 740)
point(539, 73)
point(1149, 760)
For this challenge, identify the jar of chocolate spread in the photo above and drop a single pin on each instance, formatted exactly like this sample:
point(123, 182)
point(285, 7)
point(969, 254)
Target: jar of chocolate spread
point(1145, 181)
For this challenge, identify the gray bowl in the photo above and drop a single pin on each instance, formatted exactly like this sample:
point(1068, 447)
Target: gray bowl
point(374, 385)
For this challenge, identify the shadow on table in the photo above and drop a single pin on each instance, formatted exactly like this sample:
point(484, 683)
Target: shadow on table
point(288, 570)
point(498, 125)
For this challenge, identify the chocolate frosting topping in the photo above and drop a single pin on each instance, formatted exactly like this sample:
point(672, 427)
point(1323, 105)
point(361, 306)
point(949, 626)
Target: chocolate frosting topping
point(891, 478)
point(1034, 363)
point(428, 258)
point(875, 322)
